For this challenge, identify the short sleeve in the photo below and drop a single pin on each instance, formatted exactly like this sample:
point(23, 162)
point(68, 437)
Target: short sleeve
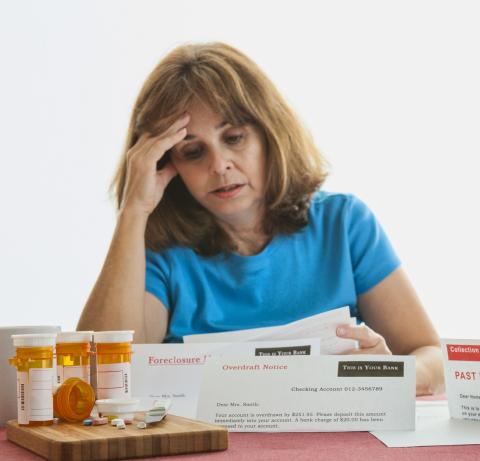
point(156, 276)
point(372, 255)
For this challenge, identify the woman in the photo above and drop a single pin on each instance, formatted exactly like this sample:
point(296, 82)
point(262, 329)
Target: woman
point(222, 224)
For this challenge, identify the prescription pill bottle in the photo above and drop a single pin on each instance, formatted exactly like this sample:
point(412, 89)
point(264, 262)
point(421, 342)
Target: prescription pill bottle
point(34, 363)
point(114, 355)
point(73, 400)
point(73, 355)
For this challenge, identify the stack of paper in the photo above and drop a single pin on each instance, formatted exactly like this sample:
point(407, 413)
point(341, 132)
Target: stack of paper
point(174, 371)
point(321, 326)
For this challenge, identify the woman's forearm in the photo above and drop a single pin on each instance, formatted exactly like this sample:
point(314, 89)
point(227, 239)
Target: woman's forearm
point(430, 377)
point(117, 299)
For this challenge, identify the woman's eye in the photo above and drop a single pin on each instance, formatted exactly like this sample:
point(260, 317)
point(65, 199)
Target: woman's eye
point(196, 153)
point(193, 154)
point(234, 139)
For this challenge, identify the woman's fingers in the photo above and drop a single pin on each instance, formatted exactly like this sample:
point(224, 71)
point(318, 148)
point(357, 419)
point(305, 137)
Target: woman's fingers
point(160, 146)
point(368, 340)
point(365, 336)
point(145, 186)
point(177, 125)
point(156, 146)
point(140, 145)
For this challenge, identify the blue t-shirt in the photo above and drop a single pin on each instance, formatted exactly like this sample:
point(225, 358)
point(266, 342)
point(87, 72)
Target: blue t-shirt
point(340, 254)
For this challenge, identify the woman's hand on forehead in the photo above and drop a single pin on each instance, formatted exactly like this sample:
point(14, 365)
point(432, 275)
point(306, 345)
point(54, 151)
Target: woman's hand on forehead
point(145, 184)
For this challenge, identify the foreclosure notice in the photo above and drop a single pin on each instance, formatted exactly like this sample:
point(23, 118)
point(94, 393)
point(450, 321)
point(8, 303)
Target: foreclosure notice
point(323, 393)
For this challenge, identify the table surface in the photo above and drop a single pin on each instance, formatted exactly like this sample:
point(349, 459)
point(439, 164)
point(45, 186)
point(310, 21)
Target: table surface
point(298, 446)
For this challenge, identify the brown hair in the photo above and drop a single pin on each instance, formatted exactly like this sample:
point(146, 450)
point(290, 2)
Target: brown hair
point(233, 86)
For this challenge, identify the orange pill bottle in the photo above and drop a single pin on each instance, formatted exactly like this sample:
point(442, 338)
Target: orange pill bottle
point(34, 363)
point(114, 356)
point(73, 355)
point(73, 400)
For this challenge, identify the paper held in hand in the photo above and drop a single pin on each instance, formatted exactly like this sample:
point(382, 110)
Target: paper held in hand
point(324, 393)
point(321, 326)
point(461, 359)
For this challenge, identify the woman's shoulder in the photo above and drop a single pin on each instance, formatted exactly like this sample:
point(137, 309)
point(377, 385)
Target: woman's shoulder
point(326, 199)
point(166, 256)
point(331, 206)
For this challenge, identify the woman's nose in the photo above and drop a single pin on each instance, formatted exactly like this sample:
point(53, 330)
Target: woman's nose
point(220, 163)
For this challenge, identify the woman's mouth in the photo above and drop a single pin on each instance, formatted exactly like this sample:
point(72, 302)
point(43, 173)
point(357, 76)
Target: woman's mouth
point(228, 191)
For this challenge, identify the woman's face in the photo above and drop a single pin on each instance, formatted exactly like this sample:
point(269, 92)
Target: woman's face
point(223, 166)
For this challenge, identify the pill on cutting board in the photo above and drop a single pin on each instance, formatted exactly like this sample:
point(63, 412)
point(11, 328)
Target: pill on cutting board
point(100, 421)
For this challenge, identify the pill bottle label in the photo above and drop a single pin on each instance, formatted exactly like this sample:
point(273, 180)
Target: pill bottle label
point(113, 380)
point(22, 397)
point(74, 371)
point(34, 395)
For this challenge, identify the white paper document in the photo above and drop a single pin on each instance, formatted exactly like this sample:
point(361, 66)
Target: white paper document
point(324, 393)
point(461, 360)
point(174, 371)
point(321, 326)
point(434, 427)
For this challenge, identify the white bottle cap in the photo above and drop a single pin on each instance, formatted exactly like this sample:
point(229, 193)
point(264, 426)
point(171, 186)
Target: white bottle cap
point(34, 340)
point(74, 337)
point(122, 336)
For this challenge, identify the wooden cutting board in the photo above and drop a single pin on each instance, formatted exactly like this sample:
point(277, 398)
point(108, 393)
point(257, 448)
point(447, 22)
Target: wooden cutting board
point(74, 442)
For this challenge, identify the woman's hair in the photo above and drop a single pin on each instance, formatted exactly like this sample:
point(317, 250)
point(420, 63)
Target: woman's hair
point(233, 86)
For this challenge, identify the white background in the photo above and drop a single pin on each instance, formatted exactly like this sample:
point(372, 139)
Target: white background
point(390, 91)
